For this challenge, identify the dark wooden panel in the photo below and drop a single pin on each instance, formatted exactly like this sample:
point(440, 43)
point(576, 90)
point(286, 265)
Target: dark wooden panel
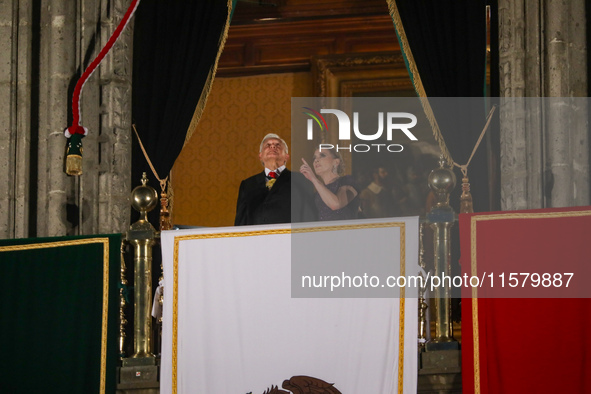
point(233, 55)
point(292, 51)
point(255, 11)
point(288, 46)
point(379, 42)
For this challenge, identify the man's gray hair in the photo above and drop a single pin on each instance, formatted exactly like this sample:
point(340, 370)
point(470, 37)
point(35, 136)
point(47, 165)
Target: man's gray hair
point(273, 135)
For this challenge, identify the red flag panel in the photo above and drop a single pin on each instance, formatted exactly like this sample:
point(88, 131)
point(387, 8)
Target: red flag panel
point(524, 334)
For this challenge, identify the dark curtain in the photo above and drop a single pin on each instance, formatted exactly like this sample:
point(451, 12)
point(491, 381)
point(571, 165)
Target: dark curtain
point(447, 39)
point(448, 43)
point(176, 44)
point(52, 314)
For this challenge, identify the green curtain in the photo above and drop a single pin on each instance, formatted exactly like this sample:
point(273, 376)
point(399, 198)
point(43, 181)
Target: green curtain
point(59, 317)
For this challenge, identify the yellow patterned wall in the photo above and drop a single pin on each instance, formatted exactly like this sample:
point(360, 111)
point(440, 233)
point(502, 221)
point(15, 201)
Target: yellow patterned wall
point(224, 148)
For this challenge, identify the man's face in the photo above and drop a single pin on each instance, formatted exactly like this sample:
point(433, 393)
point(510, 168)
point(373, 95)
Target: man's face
point(273, 154)
point(382, 174)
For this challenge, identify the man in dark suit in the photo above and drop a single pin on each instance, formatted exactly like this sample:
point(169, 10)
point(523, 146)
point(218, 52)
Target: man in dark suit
point(266, 197)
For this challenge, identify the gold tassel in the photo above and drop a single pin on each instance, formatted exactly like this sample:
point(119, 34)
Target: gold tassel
point(74, 165)
point(74, 155)
point(466, 197)
point(165, 222)
point(165, 219)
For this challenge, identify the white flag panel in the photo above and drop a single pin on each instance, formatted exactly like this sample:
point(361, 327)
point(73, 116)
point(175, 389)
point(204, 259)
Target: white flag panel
point(231, 326)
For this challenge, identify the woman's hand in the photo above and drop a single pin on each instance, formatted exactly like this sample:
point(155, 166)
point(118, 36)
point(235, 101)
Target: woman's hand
point(306, 170)
point(334, 201)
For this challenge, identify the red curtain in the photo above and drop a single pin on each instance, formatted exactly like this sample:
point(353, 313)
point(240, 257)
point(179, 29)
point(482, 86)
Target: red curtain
point(527, 339)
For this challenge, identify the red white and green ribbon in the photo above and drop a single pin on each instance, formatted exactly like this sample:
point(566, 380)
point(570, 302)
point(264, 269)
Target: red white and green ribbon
point(76, 129)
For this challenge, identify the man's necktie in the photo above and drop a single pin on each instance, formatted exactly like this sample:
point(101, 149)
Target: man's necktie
point(272, 178)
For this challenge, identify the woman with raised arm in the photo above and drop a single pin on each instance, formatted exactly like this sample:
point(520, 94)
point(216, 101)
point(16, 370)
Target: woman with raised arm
point(336, 196)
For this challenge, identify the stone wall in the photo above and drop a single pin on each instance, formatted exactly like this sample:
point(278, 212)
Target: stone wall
point(44, 47)
point(544, 149)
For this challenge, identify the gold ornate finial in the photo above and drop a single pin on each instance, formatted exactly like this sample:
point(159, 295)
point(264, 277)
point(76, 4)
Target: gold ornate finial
point(143, 199)
point(442, 181)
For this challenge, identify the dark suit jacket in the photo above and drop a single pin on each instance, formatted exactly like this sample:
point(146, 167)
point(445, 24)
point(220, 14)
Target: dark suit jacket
point(259, 205)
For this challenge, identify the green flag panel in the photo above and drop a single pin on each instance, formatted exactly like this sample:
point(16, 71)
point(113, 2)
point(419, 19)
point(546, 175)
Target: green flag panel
point(59, 315)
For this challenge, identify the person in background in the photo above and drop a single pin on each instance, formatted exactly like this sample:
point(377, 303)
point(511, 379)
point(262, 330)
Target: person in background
point(377, 199)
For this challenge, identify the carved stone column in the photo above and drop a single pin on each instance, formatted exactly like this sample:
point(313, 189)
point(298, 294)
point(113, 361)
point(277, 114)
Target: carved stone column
point(544, 148)
point(15, 113)
point(57, 68)
point(100, 195)
point(114, 172)
point(566, 133)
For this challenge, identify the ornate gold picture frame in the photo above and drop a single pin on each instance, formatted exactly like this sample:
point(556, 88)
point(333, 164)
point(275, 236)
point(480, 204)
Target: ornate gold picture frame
point(371, 75)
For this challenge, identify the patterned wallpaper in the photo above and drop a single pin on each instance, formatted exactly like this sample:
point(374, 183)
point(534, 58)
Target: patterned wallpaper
point(224, 148)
